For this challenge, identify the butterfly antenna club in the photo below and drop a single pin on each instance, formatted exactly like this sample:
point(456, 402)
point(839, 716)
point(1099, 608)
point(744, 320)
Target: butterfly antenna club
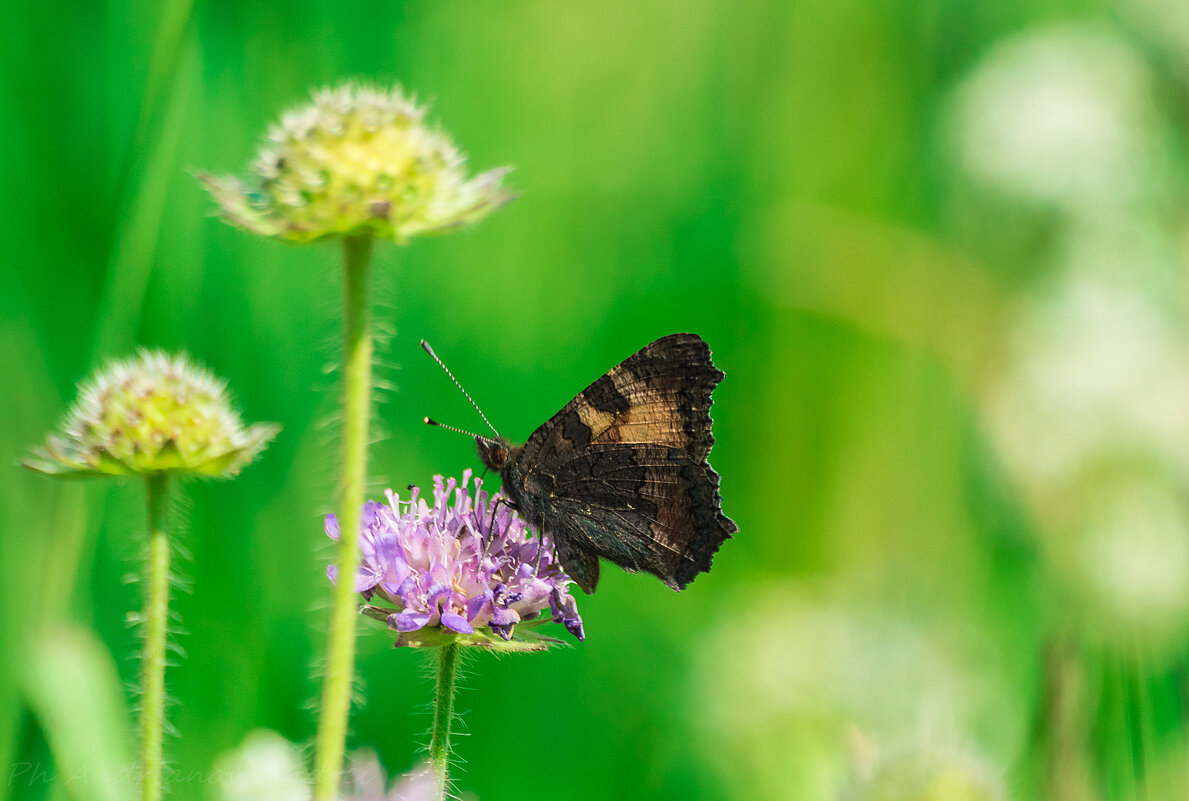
point(426, 347)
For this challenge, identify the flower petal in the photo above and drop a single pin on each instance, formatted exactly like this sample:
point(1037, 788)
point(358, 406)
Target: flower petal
point(408, 621)
point(505, 617)
point(565, 611)
point(457, 622)
point(367, 577)
point(477, 604)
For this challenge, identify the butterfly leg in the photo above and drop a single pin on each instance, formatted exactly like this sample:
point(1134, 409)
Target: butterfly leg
point(540, 547)
point(495, 507)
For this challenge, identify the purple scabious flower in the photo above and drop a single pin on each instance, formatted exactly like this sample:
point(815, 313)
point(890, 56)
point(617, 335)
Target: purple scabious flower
point(466, 572)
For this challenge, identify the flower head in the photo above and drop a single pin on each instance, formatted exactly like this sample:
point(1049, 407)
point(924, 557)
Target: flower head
point(1059, 115)
point(267, 767)
point(154, 413)
point(358, 160)
point(367, 782)
point(466, 572)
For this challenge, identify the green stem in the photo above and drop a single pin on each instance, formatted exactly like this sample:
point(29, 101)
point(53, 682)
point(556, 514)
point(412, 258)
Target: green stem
point(1068, 772)
point(156, 623)
point(340, 645)
point(443, 715)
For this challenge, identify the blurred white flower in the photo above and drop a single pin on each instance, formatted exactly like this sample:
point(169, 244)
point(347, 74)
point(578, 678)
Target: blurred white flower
point(785, 680)
point(1135, 559)
point(1096, 371)
point(1090, 418)
point(1058, 115)
point(1088, 411)
point(266, 767)
point(367, 782)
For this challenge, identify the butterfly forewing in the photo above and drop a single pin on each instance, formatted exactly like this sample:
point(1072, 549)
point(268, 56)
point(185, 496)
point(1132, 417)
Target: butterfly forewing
point(621, 472)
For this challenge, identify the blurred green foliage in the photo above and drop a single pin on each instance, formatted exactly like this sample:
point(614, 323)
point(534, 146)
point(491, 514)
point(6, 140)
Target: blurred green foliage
point(779, 177)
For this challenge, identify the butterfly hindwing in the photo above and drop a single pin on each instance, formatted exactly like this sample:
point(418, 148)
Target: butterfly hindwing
point(659, 513)
point(581, 565)
point(621, 472)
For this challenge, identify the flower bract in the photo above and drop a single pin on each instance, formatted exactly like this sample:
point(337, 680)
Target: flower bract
point(154, 413)
point(459, 572)
point(358, 160)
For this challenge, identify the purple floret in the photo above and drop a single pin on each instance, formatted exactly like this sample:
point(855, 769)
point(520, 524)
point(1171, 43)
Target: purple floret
point(456, 566)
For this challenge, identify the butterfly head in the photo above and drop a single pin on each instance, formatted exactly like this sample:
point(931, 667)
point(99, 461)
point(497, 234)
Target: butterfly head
point(494, 453)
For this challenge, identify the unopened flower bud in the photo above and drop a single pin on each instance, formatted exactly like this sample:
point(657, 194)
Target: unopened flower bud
point(154, 413)
point(358, 160)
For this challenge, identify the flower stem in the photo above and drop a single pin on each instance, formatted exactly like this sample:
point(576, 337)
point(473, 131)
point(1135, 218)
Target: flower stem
point(340, 645)
point(443, 715)
point(156, 622)
point(1068, 773)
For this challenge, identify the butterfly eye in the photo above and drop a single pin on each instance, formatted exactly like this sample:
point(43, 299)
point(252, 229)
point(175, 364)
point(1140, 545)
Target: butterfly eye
point(499, 457)
point(494, 454)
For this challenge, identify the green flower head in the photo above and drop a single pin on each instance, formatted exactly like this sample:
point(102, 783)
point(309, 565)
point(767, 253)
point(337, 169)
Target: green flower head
point(358, 160)
point(155, 413)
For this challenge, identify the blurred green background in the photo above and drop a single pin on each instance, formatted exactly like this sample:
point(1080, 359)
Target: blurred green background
point(939, 249)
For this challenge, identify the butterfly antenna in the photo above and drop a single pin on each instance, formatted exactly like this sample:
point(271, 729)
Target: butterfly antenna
point(429, 350)
point(431, 422)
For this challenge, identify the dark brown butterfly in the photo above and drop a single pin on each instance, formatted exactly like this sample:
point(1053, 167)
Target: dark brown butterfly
point(620, 473)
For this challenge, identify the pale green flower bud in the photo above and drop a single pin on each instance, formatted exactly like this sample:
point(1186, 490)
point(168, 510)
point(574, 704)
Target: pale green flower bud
point(359, 160)
point(155, 413)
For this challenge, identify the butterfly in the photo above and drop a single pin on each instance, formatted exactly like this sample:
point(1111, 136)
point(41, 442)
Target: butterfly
point(621, 472)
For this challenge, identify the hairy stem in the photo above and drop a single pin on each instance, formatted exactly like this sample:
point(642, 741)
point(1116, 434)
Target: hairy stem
point(356, 414)
point(155, 619)
point(443, 715)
